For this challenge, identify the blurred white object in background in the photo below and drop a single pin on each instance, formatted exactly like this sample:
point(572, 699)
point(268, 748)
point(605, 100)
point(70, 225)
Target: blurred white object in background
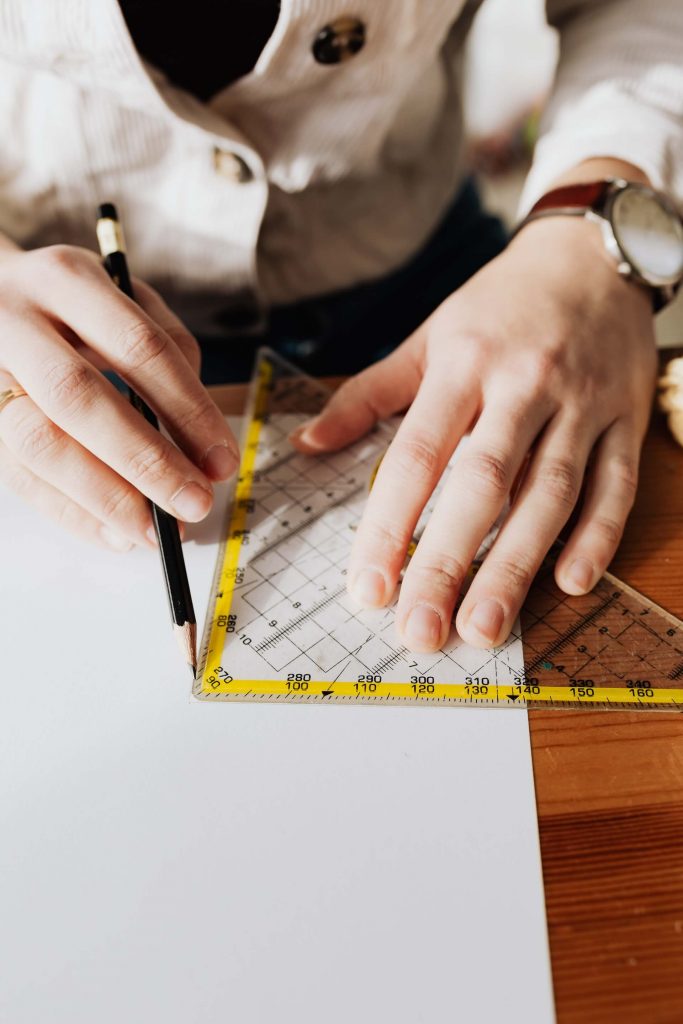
point(511, 59)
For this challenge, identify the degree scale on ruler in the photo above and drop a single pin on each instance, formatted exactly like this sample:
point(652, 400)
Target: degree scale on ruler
point(281, 626)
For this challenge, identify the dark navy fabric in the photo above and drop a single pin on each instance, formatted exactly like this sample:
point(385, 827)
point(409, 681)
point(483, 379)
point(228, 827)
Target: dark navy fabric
point(342, 332)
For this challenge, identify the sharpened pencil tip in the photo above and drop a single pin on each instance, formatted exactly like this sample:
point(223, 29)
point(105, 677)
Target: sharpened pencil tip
point(186, 636)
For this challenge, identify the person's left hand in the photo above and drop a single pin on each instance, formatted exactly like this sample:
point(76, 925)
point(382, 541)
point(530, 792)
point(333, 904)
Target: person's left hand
point(548, 353)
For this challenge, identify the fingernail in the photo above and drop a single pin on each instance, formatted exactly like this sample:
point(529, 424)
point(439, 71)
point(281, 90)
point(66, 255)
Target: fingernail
point(368, 588)
point(423, 628)
point(487, 619)
point(151, 536)
point(115, 540)
point(302, 435)
point(191, 503)
point(220, 461)
point(580, 574)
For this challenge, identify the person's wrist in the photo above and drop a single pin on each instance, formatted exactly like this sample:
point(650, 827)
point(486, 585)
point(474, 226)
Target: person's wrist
point(573, 232)
point(577, 244)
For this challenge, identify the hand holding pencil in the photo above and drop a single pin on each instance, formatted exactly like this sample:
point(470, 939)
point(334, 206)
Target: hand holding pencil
point(70, 443)
point(113, 250)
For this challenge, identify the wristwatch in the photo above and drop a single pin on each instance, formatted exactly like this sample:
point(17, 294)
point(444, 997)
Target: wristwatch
point(641, 229)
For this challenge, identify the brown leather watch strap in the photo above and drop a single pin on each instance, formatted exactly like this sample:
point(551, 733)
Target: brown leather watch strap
point(586, 195)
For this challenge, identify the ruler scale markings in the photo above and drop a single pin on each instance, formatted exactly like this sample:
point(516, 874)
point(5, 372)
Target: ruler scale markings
point(389, 661)
point(564, 639)
point(299, 620)
point(641, 639)
point(230, 553)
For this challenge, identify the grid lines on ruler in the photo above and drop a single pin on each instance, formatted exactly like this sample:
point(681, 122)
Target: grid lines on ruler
point(292, 613)
point(610, 636)
point(282, 576)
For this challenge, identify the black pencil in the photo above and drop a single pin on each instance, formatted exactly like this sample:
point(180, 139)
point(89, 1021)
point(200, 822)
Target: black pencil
point(113, 251)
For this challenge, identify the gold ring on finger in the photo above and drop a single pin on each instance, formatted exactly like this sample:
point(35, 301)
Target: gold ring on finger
point(10, 393)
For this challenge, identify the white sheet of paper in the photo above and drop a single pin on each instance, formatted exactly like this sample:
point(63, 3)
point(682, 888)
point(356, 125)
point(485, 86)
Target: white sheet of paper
point(167, 860)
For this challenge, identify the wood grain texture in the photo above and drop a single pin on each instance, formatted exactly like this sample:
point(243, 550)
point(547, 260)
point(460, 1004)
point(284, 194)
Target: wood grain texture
point(609, 791)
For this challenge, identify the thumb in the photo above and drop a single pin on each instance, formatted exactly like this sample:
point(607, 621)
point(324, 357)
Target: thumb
point(385, 388)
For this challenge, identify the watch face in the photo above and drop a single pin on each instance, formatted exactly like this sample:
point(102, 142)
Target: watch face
point(649, 233)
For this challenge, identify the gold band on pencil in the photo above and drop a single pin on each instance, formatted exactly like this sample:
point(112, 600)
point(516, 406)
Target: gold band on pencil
point(110, 236)
point(7, 396)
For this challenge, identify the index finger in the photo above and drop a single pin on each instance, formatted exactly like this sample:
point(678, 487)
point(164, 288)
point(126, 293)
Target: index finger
point(144, 354)
point(406, 478)
point(154, 305)
point(79, 400)
point(474, 496)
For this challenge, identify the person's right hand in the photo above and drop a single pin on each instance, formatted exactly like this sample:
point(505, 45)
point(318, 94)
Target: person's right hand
point(74, 446)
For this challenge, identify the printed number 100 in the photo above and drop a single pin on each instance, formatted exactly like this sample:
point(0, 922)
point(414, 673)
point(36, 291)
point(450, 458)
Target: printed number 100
point(298, 681)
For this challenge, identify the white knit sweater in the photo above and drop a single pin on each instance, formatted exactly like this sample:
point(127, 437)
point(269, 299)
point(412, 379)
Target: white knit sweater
point(301, 177)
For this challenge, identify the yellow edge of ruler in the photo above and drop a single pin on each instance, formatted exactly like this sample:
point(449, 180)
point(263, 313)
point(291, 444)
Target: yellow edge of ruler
point(444, 692)
point(216, 681)
point(233, 546)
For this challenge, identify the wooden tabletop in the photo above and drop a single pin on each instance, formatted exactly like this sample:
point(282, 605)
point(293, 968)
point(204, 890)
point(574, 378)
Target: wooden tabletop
point(609, 791)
